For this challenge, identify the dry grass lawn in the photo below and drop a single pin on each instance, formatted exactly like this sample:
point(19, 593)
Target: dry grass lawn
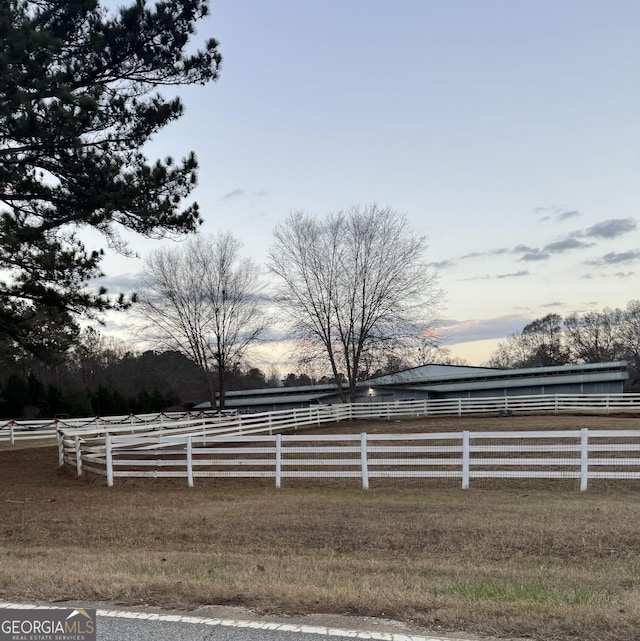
point(519, 558)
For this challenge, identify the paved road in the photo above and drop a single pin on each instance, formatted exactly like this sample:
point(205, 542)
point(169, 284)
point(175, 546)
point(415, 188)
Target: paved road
point(225, 624)
point(143, 626)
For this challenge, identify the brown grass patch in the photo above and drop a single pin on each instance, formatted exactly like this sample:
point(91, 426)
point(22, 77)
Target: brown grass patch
point(526, 558)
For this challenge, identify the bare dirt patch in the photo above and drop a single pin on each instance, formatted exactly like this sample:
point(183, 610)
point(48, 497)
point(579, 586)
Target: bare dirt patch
point(534, 559)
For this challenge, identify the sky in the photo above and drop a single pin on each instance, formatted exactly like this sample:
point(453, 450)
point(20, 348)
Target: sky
point(507, 132)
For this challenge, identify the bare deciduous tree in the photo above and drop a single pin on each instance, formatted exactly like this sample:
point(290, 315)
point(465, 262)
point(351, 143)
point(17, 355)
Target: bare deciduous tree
point(202, 299)
point(513, 351)
point(541, 344)
point(351, 282)
point(630, 335)
point(93, 354)
point(595, 337)
point(428, 354)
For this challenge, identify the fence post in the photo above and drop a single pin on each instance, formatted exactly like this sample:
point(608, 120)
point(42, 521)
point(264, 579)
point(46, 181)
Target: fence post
point(12, 440)
point(363, 459)
point(189, 462)
point(465, 460)
point(607, 403)
point(459, 406)
point(426, 407)
point(278, 461)
point(78, 457)
point(584, 459)
point(109, 459)
point(60, 449)
point(555, 405)
point(240, 424)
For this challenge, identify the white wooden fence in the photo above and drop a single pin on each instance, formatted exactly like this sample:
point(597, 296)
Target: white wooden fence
point(568, 454)
point(75, 442)
point(14, 430)
point(253, 445)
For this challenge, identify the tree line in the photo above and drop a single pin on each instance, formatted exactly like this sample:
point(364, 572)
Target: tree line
point(589, 337)
point(102, 376)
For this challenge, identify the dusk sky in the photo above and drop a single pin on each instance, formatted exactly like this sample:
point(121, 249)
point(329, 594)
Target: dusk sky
point(507, 131)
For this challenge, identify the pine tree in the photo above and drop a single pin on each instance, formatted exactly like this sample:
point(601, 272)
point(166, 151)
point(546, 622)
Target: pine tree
point(78, 101)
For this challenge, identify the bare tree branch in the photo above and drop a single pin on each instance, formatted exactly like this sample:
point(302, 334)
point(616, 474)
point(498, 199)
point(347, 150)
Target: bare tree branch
point(353, 282)
point(201, 299)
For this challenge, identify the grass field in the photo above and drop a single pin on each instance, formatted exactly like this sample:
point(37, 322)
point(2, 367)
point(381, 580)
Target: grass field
point(523, 558)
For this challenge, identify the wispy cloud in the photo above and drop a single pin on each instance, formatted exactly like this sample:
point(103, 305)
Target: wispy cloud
point(274, 335)
point(554, 304)
point(570, 213)
point(590, 276)
point(519, 249)
point(243, 193)
point(123, 328)
point(490, 252)
point(575, 241)
point(616, 258)
point(465, 331)
point(557, 214)
point(519, 274)
point(124, 282)
point(535, 255)
point(568, 244)
point(532, 254)
point(236, 193)
point(442, 264)
point(612, 228)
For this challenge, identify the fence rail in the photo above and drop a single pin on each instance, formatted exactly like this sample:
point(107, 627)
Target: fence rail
point(16, 430)
point(262, 445)
point(562, 454)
